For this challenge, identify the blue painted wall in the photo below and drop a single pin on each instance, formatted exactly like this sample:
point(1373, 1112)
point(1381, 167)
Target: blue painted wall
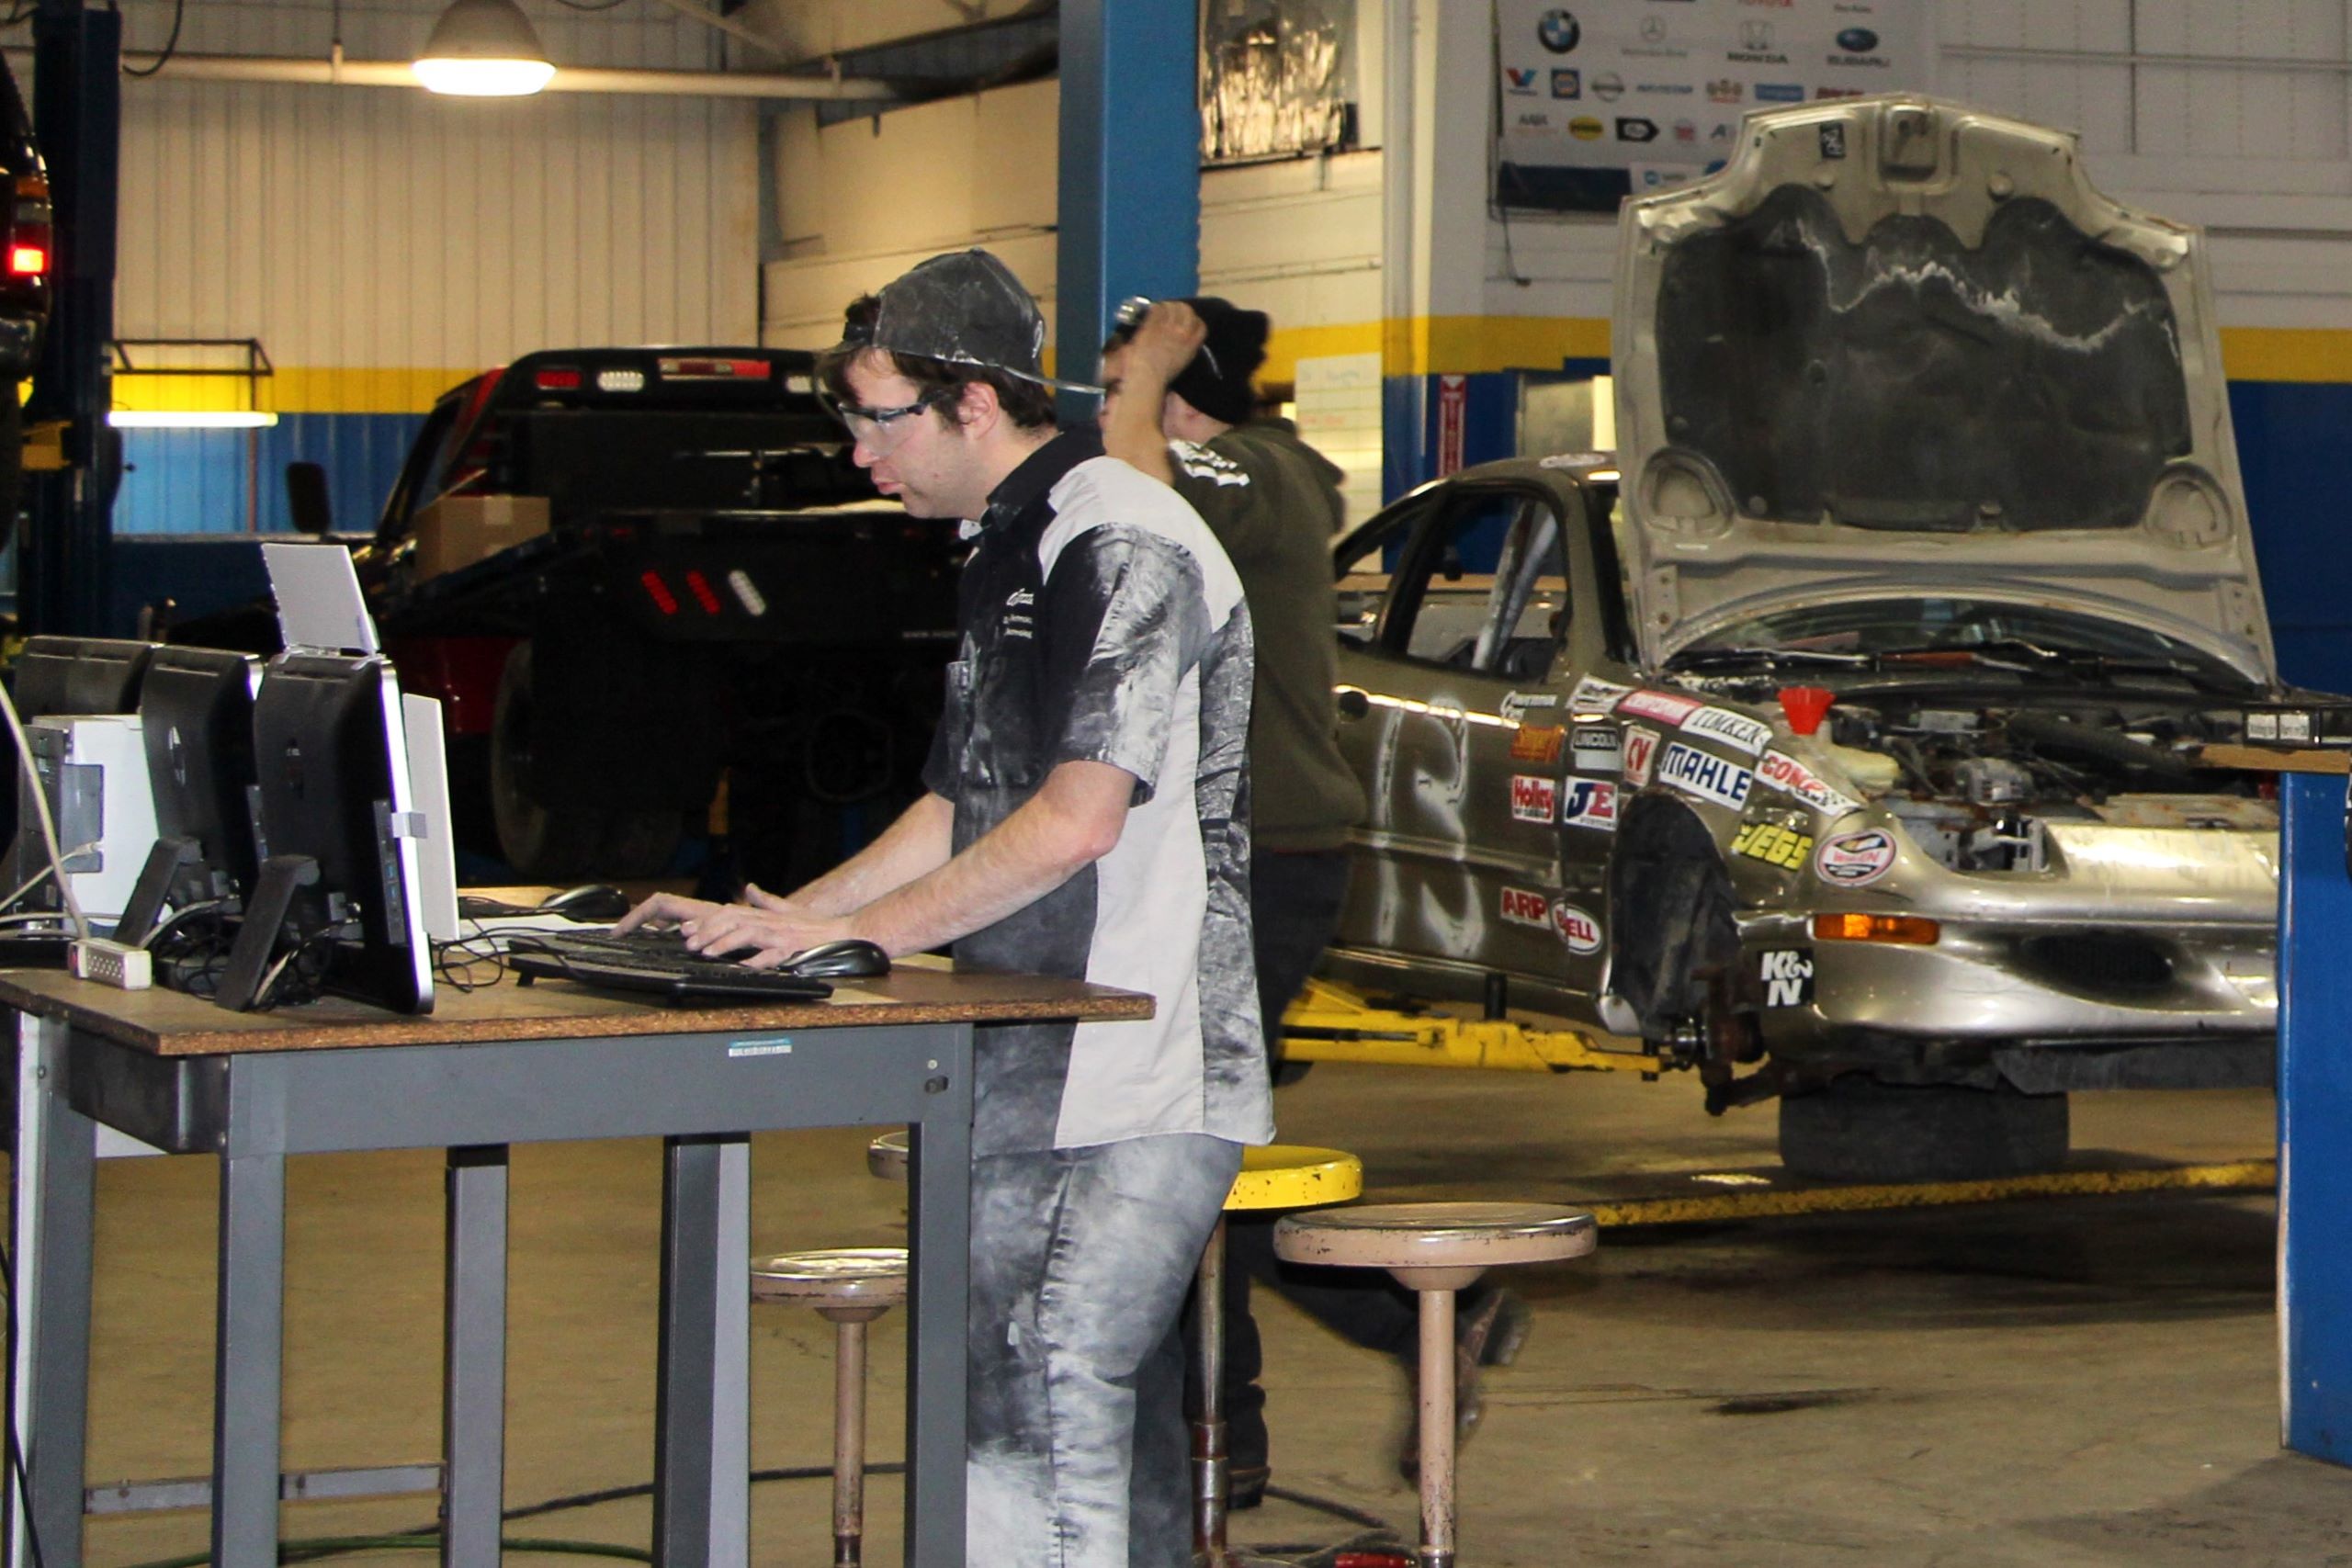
point(198, 482)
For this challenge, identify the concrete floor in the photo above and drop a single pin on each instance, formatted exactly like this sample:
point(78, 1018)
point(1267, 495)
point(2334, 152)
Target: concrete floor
point(2073, 1381)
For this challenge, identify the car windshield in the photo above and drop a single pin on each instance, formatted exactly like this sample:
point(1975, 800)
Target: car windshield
point(1871, 631)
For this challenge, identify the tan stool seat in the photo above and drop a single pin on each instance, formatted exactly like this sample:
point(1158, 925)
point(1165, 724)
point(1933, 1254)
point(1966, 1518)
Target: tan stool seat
point(866, 1278)
point(1423, 1238)
point(1294, 1175)
point(886, 1156)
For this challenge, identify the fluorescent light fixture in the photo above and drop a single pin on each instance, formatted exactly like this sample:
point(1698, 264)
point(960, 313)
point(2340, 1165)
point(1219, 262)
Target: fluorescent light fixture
point(217, 419)
point(483, 49)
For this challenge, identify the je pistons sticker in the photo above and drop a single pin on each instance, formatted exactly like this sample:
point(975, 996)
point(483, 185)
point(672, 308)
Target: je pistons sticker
point(1773, 844)
point(1855, 860)
point(1589, 803)
point(1749, 734)
point(1537, 743)
point(1523, 907)
point(1576, 929)
point(1663, 706)
point(1532, 799)
point(1641, 753)
point(1596, 748)
point(1787, 974)
point(1705, 774)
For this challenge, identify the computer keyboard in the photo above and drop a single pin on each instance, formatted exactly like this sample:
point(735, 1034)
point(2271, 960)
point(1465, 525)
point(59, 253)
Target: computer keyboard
point(650, 961)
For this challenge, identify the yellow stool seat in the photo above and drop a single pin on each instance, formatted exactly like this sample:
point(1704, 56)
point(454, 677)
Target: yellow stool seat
point(1292, 1176)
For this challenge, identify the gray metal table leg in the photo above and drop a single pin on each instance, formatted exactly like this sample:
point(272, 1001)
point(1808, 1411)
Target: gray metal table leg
point(939, 1225)
point(50, 1234)
point(248, 1370)
point(473, 1388)
point(702, 1419)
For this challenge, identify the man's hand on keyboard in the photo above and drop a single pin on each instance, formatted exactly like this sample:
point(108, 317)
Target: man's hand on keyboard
point(773, 928)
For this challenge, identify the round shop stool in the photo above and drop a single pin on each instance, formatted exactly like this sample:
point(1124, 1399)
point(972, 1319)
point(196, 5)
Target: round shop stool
point(1280, 1176)
point(1436, 1249)
point(886, 1156)
point(850, 1287)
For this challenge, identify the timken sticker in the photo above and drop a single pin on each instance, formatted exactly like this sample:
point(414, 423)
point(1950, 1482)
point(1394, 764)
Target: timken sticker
point(1641, 752)
point(1578, 929)
point(1537, 743)
point(1523, 907)
point(1749, 734)
point(1663, 706)
point(1533, 799)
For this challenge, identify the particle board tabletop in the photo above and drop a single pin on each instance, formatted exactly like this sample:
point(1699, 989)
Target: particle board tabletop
point(916, 991)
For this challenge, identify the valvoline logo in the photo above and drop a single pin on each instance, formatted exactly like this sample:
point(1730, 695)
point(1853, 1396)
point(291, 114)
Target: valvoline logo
point(1520, 81)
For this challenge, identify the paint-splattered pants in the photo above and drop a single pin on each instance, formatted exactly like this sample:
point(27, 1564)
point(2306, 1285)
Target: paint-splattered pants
point(1080, 1261)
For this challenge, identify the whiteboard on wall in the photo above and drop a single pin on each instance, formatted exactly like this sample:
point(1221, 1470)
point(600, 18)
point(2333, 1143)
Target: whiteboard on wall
point(1616, 98)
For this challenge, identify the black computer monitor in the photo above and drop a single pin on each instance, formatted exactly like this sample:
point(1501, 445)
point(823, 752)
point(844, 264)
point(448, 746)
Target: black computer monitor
point(196, 717)
point(79, 674)
point(336, 889)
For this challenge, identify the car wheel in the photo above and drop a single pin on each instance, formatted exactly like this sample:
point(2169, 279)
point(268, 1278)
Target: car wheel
point(561, 840)
point(1860, 1130)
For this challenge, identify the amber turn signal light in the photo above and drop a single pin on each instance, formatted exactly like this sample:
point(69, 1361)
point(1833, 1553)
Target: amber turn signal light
point(1914, 931)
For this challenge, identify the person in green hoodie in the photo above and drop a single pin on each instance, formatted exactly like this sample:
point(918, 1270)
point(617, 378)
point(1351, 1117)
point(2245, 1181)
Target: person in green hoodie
point(1179, 403)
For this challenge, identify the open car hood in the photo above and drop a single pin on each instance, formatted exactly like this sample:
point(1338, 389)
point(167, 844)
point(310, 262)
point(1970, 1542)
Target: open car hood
point(1898, 347)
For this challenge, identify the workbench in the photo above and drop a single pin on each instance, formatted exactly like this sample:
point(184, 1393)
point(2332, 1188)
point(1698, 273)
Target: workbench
point(498, 1066)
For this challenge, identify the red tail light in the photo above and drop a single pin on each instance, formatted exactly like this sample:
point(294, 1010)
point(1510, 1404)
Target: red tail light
point(699, 586)
point(659, 592)
point(556, 380)
point(26, 260)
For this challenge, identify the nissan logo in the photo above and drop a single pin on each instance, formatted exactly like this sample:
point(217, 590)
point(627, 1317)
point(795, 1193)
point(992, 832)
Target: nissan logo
point(1858, 40)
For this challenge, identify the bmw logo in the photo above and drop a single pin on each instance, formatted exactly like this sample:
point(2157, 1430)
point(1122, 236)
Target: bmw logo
point(1559, 31)
point(1853, 41)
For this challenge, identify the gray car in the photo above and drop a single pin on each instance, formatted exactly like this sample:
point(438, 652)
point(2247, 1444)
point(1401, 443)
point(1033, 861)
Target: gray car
point(1849, 746)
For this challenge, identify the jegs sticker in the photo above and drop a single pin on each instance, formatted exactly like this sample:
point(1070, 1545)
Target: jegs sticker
point(1855, 860)
point(1513, 709)
point(1595, 695)
point(1577, 929)
point(1589, 803)
point(1705, 774)
point(1785, 773)
point(1787, 974)
point(1523, 907)
point(1533, 799)
point(1597, 749)
point(1663, 706)
point(1749, 734)
point(1537, 743)
point(1641, 752)
point(1773, 844)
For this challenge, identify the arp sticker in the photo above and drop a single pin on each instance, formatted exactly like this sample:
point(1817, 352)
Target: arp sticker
point(1783, 771)
point(1576, 928)
point(1533, 799)
point(1537, 743)
point(1597, 749)
point(1663, 706)
point(1514, 707)
point(1855, 860)
point(1589, 803)
point(1524, 907)
point(1705, 774)
point(1773, 844)
point(1787, 974)
point(1641, 754)
point(1750, 736)
point(1596, 695)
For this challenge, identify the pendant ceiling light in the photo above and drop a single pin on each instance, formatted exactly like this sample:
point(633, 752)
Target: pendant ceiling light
point(483, 49)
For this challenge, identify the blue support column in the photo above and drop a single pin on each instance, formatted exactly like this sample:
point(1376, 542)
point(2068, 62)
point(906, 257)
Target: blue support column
point(1130, 199)
point(2314, 1120)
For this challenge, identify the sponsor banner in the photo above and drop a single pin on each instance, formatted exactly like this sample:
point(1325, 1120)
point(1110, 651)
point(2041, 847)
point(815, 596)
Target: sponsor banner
point(1773, 844)
point(1533, 799)
point(1705, 774)
point(1523, 907)
point(1515, 704)
point(1537, 743)
point(1453, 391)
point(1855, 860)
point(1785, 773)
point(1589, 803)
point(1641, 753)
point(1663, 706)
point(1749, 734)
point(1576, 927)
point(1787, 974)
point(1660, 88)
point(1595, 695)
point(1597, 749)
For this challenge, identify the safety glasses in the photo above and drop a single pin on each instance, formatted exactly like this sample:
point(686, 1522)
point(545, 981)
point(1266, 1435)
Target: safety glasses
point(882, 431)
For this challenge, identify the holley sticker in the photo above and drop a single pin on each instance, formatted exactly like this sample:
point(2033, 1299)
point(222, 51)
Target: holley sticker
point(1705, 774)
point(1537, 743)
point(1785, 773)
point(1577, 929)
point(1523, 907)
point(1589, 803)
point(1641, 753)
point(1533, 799)
point(1737, 729)
point(1663, 706)
point(1855, 860)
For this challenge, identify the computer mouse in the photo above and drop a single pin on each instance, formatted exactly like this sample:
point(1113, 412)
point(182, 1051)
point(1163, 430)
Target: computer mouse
point(596, 903)
point(828, 960)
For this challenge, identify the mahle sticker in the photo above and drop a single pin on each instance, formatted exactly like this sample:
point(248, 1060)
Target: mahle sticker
point(1597, 749)
point(1537, 743)
point(1523, 907)
point(1855, 860)
point(1705, 774)
point(1589, 803)
point(1641, 752)
point(1773, 844)
point(1533, 799)
point(1787, 974)
point(1750, 736)
point(1577, 929)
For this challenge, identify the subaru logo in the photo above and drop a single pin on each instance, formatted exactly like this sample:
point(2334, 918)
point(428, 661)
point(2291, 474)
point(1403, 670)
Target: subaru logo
point(1558, 31)
point(1858, 40)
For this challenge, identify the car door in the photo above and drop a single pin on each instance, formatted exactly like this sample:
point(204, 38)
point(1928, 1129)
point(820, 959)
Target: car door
point(1453, 615)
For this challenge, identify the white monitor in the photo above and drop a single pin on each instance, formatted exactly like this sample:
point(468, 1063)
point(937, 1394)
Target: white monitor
point(319, 602)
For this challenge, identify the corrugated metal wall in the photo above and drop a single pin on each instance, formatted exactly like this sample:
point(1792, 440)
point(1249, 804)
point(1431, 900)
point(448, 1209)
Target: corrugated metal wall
point(384, 244)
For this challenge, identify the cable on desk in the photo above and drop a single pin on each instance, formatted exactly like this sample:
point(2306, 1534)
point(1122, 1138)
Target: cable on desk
point(16, 1448)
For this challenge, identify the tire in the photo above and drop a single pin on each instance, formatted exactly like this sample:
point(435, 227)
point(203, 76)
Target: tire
point(1859, 1130)
point(561, 841)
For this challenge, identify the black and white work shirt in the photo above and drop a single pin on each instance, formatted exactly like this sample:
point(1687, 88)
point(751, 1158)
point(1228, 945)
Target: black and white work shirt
point(1102, 623)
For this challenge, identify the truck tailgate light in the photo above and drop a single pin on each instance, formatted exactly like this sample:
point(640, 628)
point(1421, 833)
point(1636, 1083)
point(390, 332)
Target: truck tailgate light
point(557, 379)
point(699, 586)
point(746, 593)
point(659, 592)
point(27, 261)
point(620, 380)
point(1913, 931)
point(714, 369)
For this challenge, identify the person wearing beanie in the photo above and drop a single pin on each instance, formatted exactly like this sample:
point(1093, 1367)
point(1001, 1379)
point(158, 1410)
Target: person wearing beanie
point(1180, 405)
